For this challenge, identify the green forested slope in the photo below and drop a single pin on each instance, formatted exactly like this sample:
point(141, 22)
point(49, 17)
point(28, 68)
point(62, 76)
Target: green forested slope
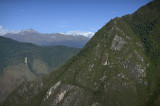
point(118, 66)
point(40, 61)
point(146, 25)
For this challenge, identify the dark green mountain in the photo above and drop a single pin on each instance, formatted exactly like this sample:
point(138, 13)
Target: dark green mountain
point(119, 66)
point(24, 61)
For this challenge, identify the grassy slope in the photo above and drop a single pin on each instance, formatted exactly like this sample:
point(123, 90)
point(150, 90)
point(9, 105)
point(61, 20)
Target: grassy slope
point(140, 27)
point(41, 60)
point(13, 50)
point(146, 25)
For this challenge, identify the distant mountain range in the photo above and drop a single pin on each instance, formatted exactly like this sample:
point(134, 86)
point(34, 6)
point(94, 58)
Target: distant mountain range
point(70, 39)
point(24, 62)
point(119, 66)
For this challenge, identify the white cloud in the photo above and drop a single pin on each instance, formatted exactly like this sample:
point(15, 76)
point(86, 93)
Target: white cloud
point(5, 31)
point(77, 33)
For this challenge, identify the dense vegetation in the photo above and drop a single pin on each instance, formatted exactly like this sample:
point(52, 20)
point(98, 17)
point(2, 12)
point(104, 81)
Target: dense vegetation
point(118, 66)
point(40, 61)
point(146, 25)
point(13, 52)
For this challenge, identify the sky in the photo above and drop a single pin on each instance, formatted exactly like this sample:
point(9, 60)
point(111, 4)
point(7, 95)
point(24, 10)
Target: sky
point(51, 16)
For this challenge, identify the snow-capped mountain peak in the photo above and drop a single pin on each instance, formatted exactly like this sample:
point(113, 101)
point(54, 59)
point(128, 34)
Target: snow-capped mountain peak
point(78, 33)
point(30, 30)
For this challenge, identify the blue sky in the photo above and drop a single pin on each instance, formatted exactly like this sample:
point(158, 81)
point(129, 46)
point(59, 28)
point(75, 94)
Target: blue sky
point(50, 16)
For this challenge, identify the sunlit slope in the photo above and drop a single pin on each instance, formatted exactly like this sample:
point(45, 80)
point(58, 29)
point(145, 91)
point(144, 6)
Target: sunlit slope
point(118, 66)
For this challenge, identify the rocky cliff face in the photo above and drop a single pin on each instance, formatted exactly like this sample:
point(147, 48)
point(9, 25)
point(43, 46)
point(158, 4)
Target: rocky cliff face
point(116, 67)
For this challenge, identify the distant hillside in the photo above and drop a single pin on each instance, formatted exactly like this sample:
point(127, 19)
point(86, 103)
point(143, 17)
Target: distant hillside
point(25, 61)
point(37, 38)
point(119, 66)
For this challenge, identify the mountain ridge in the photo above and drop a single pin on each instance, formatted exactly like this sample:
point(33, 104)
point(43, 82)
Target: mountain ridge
point(70, 39)
point(25, 61)
point(118, 66)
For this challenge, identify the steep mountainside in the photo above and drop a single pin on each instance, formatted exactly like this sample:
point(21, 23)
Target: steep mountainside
point(24, 61)
point(119, 66)
point(37, 38)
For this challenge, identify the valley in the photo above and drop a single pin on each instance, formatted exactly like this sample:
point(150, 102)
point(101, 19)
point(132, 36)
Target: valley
point(118, 66)
point(25, 62)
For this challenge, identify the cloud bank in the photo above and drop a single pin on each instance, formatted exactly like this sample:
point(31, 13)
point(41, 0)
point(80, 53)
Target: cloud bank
point(5, 31)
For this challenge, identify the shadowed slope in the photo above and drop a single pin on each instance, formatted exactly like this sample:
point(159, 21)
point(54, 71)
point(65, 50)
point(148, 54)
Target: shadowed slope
point(118, 66)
